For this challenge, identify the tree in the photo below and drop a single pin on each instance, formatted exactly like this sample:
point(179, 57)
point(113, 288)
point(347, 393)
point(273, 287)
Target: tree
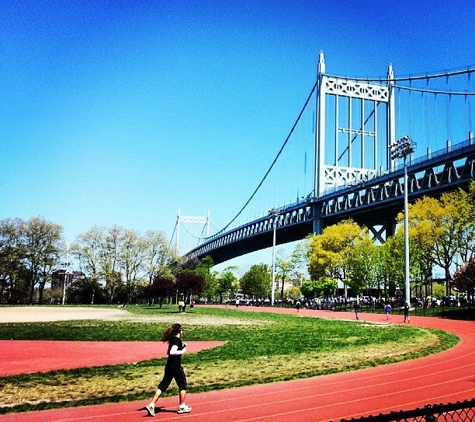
point(158, 256)
point(363, 265)
point(204, 269)
point(132, 255)
point(293, 292)
point(109, 259)
point(11, 252)
point(284, 269)
point(42, 249)
point(256, 281)
point(227, 282)
point(465, 209)
point(325, 286)
point(438, 230)
point(87, 251)
point(464, 278)
point(189, 283)
point(161, 288)
point(309, 289)
point(328, 252)
point(299, 258)
point(391, 256)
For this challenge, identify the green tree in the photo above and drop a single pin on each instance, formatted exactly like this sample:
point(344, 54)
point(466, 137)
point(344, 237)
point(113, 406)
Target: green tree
point(465, 209)
point(293, 292)
point(227, 283)
point(438, 230)
point(325, 286)
point(204, 268)
point(328, 252)
point(308, 289)
point(284, 268)
point(363, 264)
point(256, 282)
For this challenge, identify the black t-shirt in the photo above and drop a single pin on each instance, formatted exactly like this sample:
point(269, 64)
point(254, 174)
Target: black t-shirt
point(174, 360)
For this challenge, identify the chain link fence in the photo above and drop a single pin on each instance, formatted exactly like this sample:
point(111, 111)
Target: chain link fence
point(451, 412)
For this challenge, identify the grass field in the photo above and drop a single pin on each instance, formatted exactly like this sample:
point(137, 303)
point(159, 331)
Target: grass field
point(260, 348)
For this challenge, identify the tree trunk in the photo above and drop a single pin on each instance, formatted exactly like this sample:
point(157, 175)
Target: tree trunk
point(448, 282)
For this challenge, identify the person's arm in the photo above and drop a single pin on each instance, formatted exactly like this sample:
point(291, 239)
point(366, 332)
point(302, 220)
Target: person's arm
point(174, 350)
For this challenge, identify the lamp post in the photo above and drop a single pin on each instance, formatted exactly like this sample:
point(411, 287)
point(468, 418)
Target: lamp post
point(66, 265)
point(401, 149)
point(273, 213)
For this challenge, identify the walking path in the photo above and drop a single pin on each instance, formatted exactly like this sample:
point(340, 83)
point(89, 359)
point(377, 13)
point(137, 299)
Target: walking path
point(446, 377)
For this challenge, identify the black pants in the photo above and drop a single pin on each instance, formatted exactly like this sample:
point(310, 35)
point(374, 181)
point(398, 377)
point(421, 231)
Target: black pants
point(174, 372)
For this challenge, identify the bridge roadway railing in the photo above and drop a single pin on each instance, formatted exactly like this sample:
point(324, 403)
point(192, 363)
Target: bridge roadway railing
point(433, 174)
point(376, 201)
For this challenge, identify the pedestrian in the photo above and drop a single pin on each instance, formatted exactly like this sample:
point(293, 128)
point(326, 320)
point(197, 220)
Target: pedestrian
point(297, 305)
point(173, 369)
point(388, 310)
point(406, 312)
point(357, 309)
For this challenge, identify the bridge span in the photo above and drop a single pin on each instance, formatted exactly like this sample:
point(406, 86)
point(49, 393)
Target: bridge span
point(355, 169)
point(374, 203)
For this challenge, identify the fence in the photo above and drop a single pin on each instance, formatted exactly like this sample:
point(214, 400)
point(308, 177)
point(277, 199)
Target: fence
point(451, 412)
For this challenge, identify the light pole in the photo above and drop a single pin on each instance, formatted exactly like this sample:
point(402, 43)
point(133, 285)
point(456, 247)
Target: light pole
point(401, 149)
point(273, 213)
point(66, 265)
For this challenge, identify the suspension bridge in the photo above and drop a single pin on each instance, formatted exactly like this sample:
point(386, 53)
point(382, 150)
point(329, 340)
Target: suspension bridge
point(336, 161)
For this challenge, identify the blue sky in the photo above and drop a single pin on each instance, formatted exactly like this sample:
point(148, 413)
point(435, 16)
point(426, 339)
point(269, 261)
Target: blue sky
point(121, 112)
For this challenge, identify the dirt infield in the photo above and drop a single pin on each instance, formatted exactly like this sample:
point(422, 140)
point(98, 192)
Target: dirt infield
point(58, 313)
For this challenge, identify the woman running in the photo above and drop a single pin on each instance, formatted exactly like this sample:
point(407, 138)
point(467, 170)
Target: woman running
point(173, 369)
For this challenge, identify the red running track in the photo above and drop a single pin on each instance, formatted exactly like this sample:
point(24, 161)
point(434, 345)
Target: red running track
point(446, 377)
point(23, 357)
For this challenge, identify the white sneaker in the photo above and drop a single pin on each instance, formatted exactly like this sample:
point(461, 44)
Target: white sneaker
point(150, 409)
point(184, 409)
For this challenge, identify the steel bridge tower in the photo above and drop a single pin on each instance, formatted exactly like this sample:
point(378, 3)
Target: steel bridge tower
point(197, 220)
point(353, 134)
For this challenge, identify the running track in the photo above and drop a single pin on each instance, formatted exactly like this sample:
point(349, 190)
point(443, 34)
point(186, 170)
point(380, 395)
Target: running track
point(446, 377)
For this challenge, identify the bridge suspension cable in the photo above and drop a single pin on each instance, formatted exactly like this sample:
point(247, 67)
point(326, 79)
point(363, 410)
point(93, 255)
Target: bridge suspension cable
point(397, 83)
point(273, 162)
point(434, 91)
point(440, 74)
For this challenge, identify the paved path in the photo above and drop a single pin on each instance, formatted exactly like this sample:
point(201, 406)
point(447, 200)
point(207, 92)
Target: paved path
point(446, 377)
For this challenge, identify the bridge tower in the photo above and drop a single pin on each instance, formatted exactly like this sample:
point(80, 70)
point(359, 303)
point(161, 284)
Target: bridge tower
point(196, 220)
point(355, 125)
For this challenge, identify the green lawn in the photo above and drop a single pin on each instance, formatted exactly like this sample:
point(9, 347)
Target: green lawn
point(261, 347)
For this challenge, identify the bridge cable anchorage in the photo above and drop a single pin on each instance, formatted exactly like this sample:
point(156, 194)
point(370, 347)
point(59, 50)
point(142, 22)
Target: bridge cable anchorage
point(273, 163)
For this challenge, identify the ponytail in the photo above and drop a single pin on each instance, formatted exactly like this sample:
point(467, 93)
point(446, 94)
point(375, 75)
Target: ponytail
point(171, 332)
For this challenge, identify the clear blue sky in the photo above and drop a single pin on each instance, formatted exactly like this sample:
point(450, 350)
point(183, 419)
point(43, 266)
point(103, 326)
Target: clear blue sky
point(121, 112)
